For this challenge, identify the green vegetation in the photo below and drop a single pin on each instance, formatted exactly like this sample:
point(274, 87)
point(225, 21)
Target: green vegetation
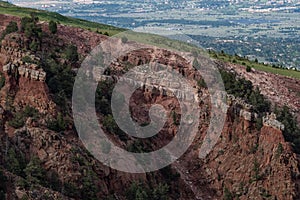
point(227, 195)
point(248, 68)
point(124, 39)
point(258, 66)
point(201, 83)
point(10, 28)
point(137, 191)
point(256, 171)
point(33, 31)
point(175, 117)
point(35, 174)
point(291, 130)
point(53, 27)
point(58, 124)
point(279, 150)
point(72, 54)
point(60, 80)
point(7, 8)
point(2, 80)
point(244, 89)
point(19, 117)
point(15, 162)
point(3, 180)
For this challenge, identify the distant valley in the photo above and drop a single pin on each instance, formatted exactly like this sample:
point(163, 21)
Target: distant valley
point(264, 30)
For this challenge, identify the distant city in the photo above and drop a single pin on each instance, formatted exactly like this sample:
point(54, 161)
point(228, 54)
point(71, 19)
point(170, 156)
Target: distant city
point(268, 30)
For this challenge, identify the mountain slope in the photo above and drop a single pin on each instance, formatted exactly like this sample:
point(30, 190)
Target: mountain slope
point(42, 157)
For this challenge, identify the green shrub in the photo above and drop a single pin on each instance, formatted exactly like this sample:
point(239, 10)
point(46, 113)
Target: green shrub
point(3, 180)
point(256, 170)
point(15, 162)
point(35, 174)
point(27, 59)
point(248, 68)
point(227, 194)
point(53, 27)
point(58, 124)
point(72, 54)
point(70, 190)
point(2, 80)
point(10, 28)
point(124, 39)
point(20, 117)
point(201, 83)
point(291, 130)
point(17, 121)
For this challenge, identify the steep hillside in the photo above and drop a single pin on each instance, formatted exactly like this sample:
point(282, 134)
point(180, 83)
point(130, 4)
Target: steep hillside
point(42, 157)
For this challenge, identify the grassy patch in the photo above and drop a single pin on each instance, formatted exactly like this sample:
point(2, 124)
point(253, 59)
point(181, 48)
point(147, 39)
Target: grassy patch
point(255, 65)
point(6, 8)
point(152, 39)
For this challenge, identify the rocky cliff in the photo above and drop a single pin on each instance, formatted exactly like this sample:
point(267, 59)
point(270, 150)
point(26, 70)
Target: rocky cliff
point(44, 158)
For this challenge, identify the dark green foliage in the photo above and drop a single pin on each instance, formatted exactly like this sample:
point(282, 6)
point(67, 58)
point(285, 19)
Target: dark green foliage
point(109, 123)
point(53, 27)
point(111, 126)
point(291, 130)
point(58, 124)
point(124, 39)
point(168, 174)
point(160, 192)
point(201, 83)
point(138, 191)
point(89, 189)
point(15, 162)
point(248, 68)
point(10, 28)
point(24, 22)
point(60, 80)
point(279, 150)
point(35, 174)
point(242, 88)
point(30, 27)
point(70, 190)
point(19, 118)
point(235, 86)
point(3, 180)
point(53, 181)
point(175, 118)
point(33, 31)
point(17, 121)
point(103, 97)
point(72, 54)
point(227, 194)
point(2, 80)
point(256, 176)
point(34, 46)
point(27, 59)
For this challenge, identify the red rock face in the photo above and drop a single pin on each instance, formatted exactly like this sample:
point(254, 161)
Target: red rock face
point(34, 93)
point(280, 90)
point(248, 163)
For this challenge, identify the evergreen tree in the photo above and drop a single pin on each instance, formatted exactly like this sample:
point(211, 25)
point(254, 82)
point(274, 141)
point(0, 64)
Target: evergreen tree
point(53, 27)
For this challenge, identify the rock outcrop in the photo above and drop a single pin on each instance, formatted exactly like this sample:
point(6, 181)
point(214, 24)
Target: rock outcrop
point(270, 120)
point(242, 108)
point(13, 65)
point(246, 163)
point(22, 69)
